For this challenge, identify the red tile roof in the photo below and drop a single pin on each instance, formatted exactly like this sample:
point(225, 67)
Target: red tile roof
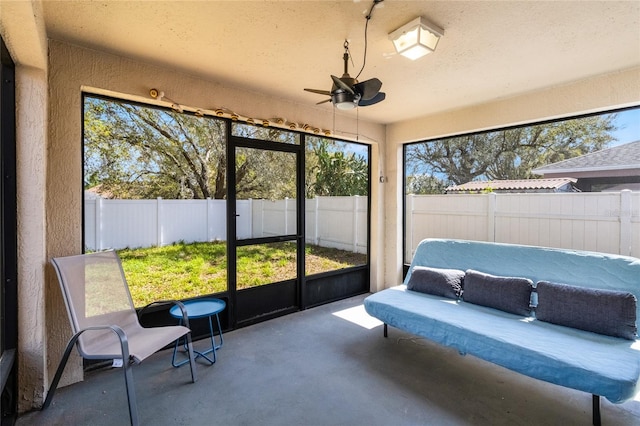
point(512, 185)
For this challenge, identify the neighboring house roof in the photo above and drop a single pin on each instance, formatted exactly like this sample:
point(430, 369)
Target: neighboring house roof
point(617, 158)
point(522, 185)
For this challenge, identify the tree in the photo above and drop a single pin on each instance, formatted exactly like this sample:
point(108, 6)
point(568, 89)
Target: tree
point(133, 151)
point(333, 171)
point(141, 152)
point(510, 153)
point(424, 184)
point(265, 174)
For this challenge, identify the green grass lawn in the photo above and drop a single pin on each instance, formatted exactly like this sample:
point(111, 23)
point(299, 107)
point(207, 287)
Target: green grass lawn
point(182, 271)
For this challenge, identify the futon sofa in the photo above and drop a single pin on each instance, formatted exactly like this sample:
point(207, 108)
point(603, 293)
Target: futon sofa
point(563, 316)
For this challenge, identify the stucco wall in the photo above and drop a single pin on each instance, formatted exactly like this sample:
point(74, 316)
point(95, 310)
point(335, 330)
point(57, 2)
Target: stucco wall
point(600, 93)
point(31, 106)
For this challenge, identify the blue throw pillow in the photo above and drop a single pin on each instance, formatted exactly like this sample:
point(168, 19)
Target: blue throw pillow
point(601, 311)
point(436, 281)
point(509, 294)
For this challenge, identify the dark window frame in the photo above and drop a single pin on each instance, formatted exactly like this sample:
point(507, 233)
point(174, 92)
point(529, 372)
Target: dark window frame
point(8, 240)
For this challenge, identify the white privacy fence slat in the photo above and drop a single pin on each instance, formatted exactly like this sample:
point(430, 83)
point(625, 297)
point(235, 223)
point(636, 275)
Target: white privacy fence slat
point(338, 222)
point(604, 221)
point(144, 223)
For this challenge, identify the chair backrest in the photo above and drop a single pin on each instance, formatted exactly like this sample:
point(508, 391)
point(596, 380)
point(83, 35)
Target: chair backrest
point(96, 294)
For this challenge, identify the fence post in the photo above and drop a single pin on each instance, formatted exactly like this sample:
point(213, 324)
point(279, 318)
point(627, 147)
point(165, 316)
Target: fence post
point(491, 217)
point(409, 219)
point(316, 239)
point(250, 207)
point(159, 221)
point(262, 217)
point(355, 223)
point(625, 222)
point(208, 220)
point(98, 224)
point(286, 215)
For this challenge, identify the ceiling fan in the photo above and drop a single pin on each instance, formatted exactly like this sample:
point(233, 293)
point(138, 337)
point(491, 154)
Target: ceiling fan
point(347, 92)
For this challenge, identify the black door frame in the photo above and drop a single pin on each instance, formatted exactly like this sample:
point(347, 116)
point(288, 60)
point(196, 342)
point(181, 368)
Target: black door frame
point(270, 292)
point(8, 240)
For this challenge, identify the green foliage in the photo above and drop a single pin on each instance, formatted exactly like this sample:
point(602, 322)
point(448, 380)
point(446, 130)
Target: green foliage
point(178, 271)
point(138, 152)
point(272, 134)
point(262, 174)
point(424, 184)
point(265, 263)
point(141, 152)
point(335, 172)
point(510, 153)
point(182, 271)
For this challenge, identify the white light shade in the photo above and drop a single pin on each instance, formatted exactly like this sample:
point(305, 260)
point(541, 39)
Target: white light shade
point(416, 38)
point(345, 105)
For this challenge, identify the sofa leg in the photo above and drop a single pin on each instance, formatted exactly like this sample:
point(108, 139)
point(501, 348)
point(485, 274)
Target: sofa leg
point(385, 330)
point(596, 410)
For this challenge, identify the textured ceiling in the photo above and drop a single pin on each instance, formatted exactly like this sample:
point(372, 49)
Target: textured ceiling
point(490, 50)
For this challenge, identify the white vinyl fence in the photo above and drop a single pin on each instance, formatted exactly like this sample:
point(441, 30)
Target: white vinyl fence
point(338, 222)
point(606, 222)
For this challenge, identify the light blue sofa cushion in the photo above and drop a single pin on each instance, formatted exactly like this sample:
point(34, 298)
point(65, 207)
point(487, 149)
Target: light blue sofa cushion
point(601, 311)
point(437, 281)
point(593, 363)
point(509, 294)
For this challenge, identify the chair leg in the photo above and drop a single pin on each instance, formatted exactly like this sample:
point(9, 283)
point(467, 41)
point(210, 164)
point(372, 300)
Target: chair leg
point(131, 393)
point(175, 352)
point(595, 402)
point(60, 370)
point(128, 375)
point(192, 360)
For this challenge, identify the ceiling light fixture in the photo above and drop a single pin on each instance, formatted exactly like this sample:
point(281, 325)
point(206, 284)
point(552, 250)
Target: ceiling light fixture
point(344, 100)
point(416, 38)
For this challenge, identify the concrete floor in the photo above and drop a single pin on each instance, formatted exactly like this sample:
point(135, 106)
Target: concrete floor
point(326, 366)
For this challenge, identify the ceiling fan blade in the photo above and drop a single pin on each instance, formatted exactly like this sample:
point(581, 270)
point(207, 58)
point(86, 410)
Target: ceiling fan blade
point(369, 88)
point(342, 85)
point(377, 98)
point(319, 92)
point(324, 102)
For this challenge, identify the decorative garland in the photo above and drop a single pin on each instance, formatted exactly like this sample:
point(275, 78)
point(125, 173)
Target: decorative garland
point(227, 113)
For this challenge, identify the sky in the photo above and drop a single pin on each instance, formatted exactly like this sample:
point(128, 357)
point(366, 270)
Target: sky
point(629, 123)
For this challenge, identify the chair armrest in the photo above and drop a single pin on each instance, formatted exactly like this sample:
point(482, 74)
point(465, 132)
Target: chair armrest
point(122, 336)
point(183, 309)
